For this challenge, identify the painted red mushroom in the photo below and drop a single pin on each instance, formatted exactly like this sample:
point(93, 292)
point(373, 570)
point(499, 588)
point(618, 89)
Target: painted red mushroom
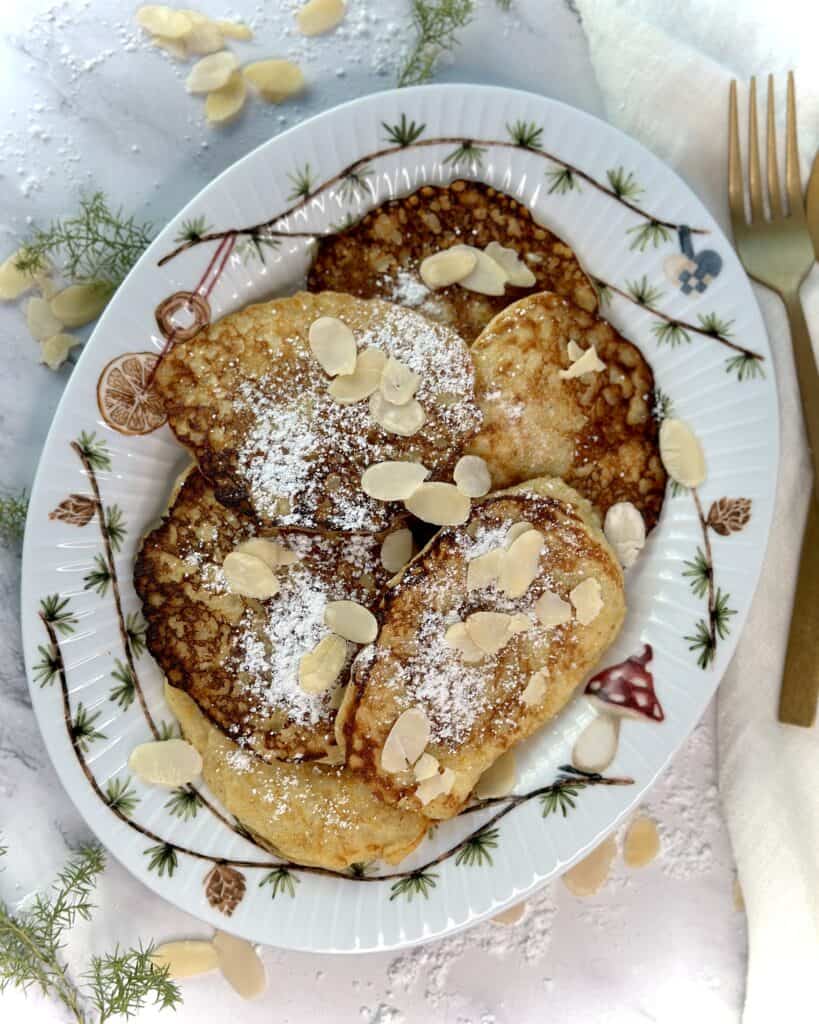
point(622, 691)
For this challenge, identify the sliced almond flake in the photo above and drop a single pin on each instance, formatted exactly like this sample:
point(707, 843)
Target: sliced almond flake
point(595, 748)
point(425, 767)
point(404, 420)
point(398, 382)
point(625, 530)
point(319, 668)
point(275, 80)
point(175, 47)
point(483, 571)
point(574, 350)
point(552, 610)
point(499, 779)
point(319, 16)
point(516, 271)
point(345, 708)
point(490, 631)
point(519, 622)
point(397, 549)
point(14, 282)
point(439, 504)
point(587, 599)
point(211, 72)
point(457, 636)
point(55, 350)
point(249, 576)
point(437, 785)
point(520, 565)
point(511, 915)
point(45, 285)
point(224, 104)
point(241, 965)
point(169, 763)
point(642, 843)
point(40, 320)
point(589, 874)
point(349, 388)
point(681, 453)
point(535, 690)
point(448, 267)
point(186, 959)
point(514, 531)
point(333, 344)
point(488, 278)
point(271, 552)
point(163, 21)
point(406, 741)
point(334, 756)
point(234, 30)
point(393, 481)
point(204, 38)
point(589, 362)
point(351, 620)
point(471, 475)
point(79, 304)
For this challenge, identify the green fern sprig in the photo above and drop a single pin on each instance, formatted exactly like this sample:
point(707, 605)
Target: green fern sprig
point(13, 510)
point(121, 797)
point(404, 132)
point(120, 984)
point(525, 134)
point(280, 880)
point(418, 883)
point(436, 24)
point(475, 850)
point(99, 577)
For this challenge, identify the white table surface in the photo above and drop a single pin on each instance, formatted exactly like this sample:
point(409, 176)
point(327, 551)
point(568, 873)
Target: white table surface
point(87, 103)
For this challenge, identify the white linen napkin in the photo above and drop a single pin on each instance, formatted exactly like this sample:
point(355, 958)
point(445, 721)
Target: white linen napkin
point(664, 71)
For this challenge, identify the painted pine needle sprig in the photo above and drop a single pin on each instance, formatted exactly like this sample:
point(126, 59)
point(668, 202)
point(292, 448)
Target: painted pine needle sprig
point(33, 940)
point(436, 24)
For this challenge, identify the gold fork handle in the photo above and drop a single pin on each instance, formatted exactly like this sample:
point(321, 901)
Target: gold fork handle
point(800, 679)
point(806, 374)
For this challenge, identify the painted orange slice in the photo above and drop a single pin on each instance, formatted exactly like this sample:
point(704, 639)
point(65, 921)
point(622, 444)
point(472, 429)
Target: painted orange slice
point(125, 395)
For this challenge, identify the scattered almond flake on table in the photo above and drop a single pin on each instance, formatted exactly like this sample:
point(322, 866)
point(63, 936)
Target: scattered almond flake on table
point(79, 304)
point(55, 350)
point(511, 915)
point(211, 72)
point(275, 80)
point(240, 964)
point(589, 875)
point(186, 958)
point(14, 282)
point(319, 16)
point(641, 843)
point(41, 322)
point(222, 105)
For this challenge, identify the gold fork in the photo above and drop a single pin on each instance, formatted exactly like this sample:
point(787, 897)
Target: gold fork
point(777, 252)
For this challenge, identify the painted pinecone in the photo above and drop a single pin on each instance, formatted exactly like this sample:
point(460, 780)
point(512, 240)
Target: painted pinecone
point(729, 515)
point(224, 888)
point(77, 509)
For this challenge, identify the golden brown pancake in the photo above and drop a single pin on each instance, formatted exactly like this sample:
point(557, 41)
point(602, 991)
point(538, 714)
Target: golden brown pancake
point(597, 432)
point(379, 256)
point(238, 657)
point(476, 711)
point(248, 398)
point(312, 814)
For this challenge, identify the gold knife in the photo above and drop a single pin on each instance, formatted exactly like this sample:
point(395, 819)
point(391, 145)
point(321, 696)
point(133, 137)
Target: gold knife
point(797, 702)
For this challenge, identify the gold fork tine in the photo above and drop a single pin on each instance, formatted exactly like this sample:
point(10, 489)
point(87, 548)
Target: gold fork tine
point(773, 171)
point(735, 195)
point(754, 173)
point(792, 176)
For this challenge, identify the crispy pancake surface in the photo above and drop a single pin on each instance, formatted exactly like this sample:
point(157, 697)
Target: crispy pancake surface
point(379, 256)
point(597, 431)
point(248, 398)
point(476, 711)
point(309, 813)
point(238, 657)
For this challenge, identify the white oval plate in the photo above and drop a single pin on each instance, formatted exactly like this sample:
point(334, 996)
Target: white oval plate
point(672, 284)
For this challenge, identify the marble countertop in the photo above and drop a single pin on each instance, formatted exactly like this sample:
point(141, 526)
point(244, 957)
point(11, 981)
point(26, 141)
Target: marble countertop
point(87, 103)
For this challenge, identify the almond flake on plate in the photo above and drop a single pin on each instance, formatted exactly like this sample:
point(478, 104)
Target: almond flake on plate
point(425, 767)
point(447, 267)
point(681, 453)
point(439, 504)
point(393, 481)
point(587, 600)
point(520, 565)
point(625, 530)
point(516, 271)
point(224, 104)
point(596, 747)
point(457, 636)
point(351, 620)
point(471, 475)
point(275, 80)
point(54, 350)
point(404, 420)
point(319, 16)
point(535, 689)
point(249, 576)
point(398, 382)
point(552, 610)
point(397, 549)
point(186, 959)
point(349, 388)
point(488, 277)
point(319, 668)
point(406, 741)
point(490, 631)
point(437, 785)
point(589, 362)
point(333, 344)
point(211, 72)
point(483, 571)
point(241, 965)
point(169, 763)
point(79, 304)
point(499, 779)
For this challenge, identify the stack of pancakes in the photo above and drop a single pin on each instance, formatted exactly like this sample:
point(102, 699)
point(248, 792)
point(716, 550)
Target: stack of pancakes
point(277, 459)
